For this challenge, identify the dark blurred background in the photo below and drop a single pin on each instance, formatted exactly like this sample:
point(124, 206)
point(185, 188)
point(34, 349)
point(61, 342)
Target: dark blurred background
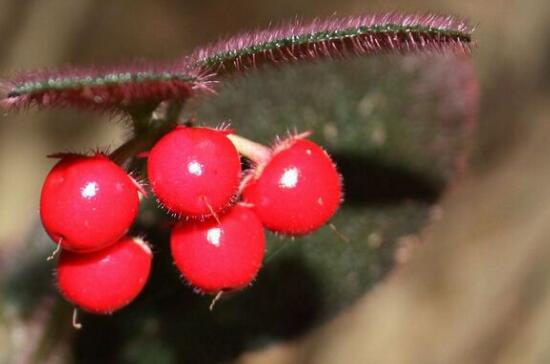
point(476, 290)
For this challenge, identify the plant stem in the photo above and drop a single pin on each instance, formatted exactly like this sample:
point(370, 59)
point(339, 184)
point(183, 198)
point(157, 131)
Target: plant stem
point(137, 144)
point(150, 123)
point(256, 152)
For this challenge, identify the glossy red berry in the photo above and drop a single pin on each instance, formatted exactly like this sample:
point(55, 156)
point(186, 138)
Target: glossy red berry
point(297, 191)
point(225, 256)
point(194, 171)
point(88, 203)
point(107, 280)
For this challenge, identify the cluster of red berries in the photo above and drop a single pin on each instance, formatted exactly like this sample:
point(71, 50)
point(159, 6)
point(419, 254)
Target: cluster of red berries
point(89, 203)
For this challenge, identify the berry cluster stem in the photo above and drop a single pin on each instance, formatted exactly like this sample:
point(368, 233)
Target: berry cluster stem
point(150, 122)
point(256, 152)
point(137, 144)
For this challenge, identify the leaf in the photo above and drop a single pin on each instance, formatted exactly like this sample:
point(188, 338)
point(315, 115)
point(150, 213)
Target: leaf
point(133, 84)
point(102, 88)
point(335, 37)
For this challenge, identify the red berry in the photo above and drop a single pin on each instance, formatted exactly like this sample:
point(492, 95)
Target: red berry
point(194, 171)
point(88, 203)
point(297, 191)
point(225, 256)
point(107, 280)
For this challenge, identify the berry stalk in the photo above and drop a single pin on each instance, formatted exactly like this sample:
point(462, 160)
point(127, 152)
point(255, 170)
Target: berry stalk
point(149, 125)
point(256, 152)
